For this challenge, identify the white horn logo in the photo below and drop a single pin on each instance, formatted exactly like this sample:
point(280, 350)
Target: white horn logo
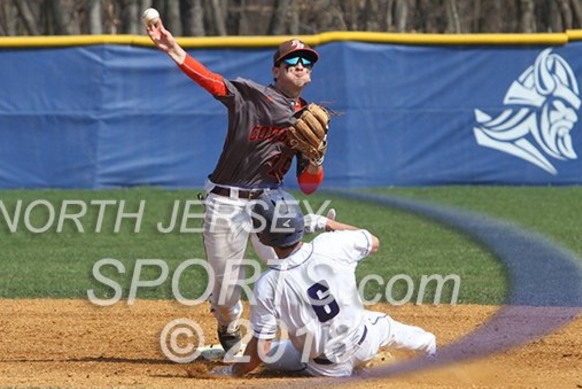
point(543, 102)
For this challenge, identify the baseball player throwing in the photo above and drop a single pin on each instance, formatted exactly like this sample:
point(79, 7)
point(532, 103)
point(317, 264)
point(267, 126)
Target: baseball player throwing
point(255, 157)
point(311, 293)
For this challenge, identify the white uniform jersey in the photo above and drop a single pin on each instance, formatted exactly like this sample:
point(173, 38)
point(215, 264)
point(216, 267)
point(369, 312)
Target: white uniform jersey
point(314, 293)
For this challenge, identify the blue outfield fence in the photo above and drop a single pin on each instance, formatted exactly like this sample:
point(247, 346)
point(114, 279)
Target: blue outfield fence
point(109, 115)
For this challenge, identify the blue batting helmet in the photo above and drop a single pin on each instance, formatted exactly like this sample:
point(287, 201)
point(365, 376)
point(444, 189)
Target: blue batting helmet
point(278, 219)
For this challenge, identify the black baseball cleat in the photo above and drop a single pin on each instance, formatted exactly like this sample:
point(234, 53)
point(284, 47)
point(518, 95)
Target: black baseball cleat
point(230, 341)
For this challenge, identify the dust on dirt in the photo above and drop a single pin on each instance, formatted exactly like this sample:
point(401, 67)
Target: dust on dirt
point(74, 344)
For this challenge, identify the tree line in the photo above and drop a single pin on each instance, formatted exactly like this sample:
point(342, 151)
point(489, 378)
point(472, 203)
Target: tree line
point(288, 17)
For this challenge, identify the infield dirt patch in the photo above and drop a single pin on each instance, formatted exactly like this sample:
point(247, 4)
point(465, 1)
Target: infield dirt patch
point(74, 344)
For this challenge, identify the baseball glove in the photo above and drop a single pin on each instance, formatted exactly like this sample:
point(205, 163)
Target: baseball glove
point(309, 133)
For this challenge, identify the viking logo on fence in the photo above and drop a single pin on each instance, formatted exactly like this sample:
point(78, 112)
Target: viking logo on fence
point(543, 102)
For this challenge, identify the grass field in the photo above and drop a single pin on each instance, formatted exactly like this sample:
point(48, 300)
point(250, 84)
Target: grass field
point(39, 259)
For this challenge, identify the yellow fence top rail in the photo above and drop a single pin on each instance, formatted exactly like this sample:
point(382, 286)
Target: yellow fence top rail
point(315, 40)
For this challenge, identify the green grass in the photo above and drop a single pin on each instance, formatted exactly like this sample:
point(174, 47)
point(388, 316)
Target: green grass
point(59, 265)
point(552, 211)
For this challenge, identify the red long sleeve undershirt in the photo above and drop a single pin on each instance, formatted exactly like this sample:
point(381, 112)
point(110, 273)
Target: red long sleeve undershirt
point(308, 183)
point(214, 84)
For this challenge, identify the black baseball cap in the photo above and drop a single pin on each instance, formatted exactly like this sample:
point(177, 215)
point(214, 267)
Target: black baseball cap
point(295, 46)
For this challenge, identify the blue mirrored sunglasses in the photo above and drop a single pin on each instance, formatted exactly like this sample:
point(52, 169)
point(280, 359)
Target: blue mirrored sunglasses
point(295, 60)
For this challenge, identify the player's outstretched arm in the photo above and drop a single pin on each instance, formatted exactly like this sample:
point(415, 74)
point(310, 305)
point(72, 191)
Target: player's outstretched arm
point(165, 41)
point(334, 225)
point(316, 223)
point(241, 369)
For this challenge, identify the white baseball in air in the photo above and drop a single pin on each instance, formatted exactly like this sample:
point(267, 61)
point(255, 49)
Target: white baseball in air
point(150, 16)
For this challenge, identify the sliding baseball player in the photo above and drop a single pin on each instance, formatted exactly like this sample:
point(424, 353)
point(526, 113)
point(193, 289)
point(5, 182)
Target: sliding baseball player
point(311, 294)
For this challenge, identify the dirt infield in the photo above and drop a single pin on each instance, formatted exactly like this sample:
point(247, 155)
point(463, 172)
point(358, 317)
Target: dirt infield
point(73, 344)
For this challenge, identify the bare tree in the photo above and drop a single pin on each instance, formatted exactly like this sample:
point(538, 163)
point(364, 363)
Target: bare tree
point(27, 17)
point(475, 16)
point(8, 18)
point(234, 16)
point(55, 14)
point(294, 21)
point(566, 13)
point(192, 16)
point(350, 10)
point(527, 16)
point(337, 18)
point(491, 7)
point(401, 15)
point(577, 9)
point(427, 16)
point(173, 14)
point(110, 20)
point(453, 20)
point(466, 14)
point(218, 16)
point(278, 23)
point(3, 26)
point(387, 13)
point(94, 11)
point(128, 16)
point(372, 12)
point(554, 19)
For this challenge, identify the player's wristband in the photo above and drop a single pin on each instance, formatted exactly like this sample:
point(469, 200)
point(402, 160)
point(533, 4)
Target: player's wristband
point(309, 182)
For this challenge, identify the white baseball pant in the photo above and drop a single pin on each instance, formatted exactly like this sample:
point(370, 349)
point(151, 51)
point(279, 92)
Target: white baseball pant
point(226, 234)
point(383, 332)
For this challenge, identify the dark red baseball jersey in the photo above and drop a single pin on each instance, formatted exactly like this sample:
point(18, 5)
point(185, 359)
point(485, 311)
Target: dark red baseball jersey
point(255, 153)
